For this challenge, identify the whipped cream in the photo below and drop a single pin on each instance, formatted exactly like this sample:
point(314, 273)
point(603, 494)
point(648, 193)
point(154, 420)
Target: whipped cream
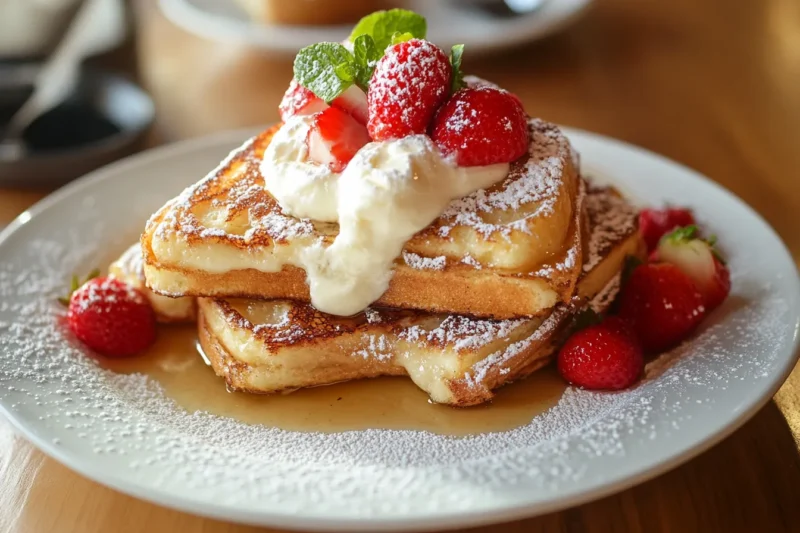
point(388, 192)
point(303, 189)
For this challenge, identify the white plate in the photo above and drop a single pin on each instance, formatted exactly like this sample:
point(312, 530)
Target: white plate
point(121, 432)
point(223, 20)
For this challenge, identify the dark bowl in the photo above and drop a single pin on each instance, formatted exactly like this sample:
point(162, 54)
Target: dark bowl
point(105, 118)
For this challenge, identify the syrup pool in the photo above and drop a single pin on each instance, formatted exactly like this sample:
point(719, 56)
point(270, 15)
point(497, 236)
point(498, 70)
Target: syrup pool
point(380, 403)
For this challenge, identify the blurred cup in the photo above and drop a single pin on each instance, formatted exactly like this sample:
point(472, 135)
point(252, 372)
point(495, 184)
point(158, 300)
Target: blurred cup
point(28, 28)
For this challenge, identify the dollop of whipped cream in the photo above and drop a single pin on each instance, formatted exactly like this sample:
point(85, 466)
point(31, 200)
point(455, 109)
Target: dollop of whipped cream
point(388, 192)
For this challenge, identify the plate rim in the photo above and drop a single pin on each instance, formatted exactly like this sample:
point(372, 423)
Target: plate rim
point(166, 498)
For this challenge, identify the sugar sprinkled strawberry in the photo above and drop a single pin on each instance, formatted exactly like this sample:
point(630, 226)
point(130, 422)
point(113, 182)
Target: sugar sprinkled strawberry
point(655, 223)
point(299, 101)
point(335, 138)
point(662, 304)
point(699, 260)
point(111, 317)
point(408, 85)
point(481, 126)
point(604, 356)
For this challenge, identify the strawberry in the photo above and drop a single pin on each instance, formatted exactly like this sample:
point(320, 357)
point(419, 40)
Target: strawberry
point(111, 317)
point(353, 102)
point(699, 260)
point(662, 304)
point(335, 138)
point(655, 223)
point(481, 126)
point(408, 85)
point(299, 101)
point(604, 356)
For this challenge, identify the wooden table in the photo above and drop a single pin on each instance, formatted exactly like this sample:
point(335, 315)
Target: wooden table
point(712, 84)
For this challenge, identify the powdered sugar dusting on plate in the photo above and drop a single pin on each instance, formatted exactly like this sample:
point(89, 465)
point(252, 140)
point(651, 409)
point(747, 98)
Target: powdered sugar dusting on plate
point(123, 424)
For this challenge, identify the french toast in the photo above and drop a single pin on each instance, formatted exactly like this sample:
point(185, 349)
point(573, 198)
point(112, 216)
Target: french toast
point(130, 269)
point(509, 251)
point(282, 345)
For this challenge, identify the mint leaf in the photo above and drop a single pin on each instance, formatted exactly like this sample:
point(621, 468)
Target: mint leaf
point(456, 54)
point(366, 56)
point(345, 71)
point(318, 68)
point(398, 37)
point(382, 25)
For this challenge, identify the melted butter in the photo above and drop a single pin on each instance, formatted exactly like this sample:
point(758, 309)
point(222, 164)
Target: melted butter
point(381, 403)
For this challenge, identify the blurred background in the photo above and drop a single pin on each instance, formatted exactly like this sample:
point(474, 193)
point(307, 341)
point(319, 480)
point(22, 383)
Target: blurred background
point(712, 83)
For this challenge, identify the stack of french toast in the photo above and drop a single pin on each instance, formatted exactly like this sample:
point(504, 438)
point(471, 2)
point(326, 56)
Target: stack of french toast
point(478, 295)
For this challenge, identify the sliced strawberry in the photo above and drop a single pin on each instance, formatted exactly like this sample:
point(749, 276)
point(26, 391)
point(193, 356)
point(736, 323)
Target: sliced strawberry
point(655, 223)
point(335, 138)
point(353, 102)
point(604, 356)
point(409, 84)
point(699, 260)
point(299, 101)
point(481, 126)
point(662, 304)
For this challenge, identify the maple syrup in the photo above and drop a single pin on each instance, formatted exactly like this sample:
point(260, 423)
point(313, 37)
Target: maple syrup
point(379, 403)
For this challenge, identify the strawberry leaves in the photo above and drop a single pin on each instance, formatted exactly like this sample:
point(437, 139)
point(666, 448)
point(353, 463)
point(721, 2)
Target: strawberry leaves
point(76, 283)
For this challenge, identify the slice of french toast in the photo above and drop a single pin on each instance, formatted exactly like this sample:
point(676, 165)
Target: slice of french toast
point(130, 269)
point(281, 345)
point(508, 251)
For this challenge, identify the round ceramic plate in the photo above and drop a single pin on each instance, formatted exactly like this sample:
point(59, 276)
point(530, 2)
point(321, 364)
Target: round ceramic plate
point(448, 24)
point(121, 431)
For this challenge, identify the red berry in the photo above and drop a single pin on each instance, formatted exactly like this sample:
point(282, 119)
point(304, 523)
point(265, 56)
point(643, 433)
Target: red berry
point(699, 260)
point(655, 223)
point(111, 317)
point(299, 101)
point(409, 84)
point(482, 126)
point(662, 304)
point(353, 102)
point(335, 138)
point(605, 356)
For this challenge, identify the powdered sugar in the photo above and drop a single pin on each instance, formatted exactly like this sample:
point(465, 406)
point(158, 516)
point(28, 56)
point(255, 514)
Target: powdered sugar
point(534, 185)
point(122, 429)
point(419, 262)
point(124, 420)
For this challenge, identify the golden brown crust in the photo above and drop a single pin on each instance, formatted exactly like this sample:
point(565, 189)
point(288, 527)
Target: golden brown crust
point(458, 360)
point(459, 285)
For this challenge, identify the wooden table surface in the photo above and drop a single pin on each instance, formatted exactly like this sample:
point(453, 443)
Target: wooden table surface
point(713, 84)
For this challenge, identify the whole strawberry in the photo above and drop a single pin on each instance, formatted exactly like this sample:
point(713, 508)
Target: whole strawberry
point(662, 304)
point(408, 85)
point(604, 356)
point(481, 126)
point(655, 223)
point(111, 317)
point(698, 259)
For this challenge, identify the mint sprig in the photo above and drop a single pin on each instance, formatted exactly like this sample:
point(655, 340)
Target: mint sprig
point(329, 69)
point(322, 68)
point(366, 56)
point(382, 26)
point(456, 55)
